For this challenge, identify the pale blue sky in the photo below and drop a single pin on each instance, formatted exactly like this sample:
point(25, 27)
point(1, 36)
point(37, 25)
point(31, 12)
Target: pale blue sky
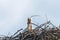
point(14, 13)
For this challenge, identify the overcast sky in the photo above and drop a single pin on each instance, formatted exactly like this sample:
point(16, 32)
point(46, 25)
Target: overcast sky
point(14, 13)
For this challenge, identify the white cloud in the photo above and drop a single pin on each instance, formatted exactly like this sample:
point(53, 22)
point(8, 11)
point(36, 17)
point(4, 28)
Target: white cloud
point(12, 12)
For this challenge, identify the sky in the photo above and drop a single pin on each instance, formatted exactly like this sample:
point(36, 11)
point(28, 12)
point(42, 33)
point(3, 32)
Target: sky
point(14, 13)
